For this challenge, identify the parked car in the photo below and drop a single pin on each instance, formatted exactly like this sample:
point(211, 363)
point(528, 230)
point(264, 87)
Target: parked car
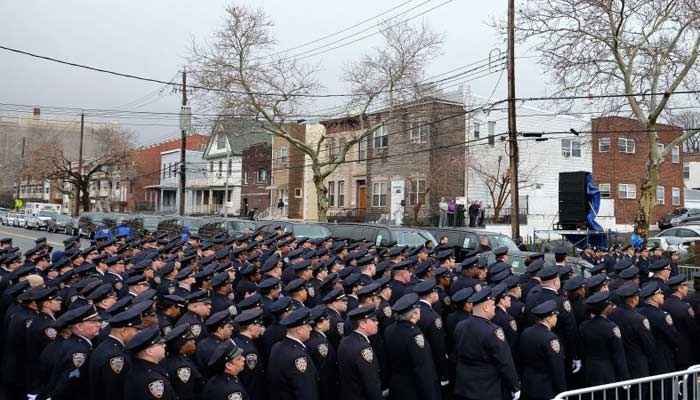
point(679, 216)
point(63, 224)
point(685, 233)
point(226, 226)
point(381, 235)
point(33, 221)
point(3, 217)
point(149, 223)
point(44, 217)
point(91, 222)
point(298, 229)
point(11, 219)
point(21, 220)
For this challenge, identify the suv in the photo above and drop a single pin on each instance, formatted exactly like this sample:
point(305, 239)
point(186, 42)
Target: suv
point(63, 224)
point(298, 229)
point(226, 227)
point(679, 216)
point(382, 235)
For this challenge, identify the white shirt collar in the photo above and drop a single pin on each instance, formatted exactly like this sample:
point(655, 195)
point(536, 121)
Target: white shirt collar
point(363, 335)
point(85, 339)
point(296, 340)
point(117, 339)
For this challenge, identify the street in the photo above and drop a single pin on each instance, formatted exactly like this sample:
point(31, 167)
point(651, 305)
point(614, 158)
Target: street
point(24, 238)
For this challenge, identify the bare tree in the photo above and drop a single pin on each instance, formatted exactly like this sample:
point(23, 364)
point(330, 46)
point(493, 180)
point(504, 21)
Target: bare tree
point(51, 158)
point(274, 90)
point(623, 47)
point(496, 177)
point(690, 122)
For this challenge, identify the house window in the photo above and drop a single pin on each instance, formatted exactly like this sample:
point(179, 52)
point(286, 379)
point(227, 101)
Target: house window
point(416, 192)
point(220, 142)
point(164, 170)
point(379, 190)
point(604, 189)
point(118, 185)
point(262, 175)
point(676, 154)
point(341, 193)
point(477, 130)
point(660, 194)
point(604, 145)
point(331, 148)
point(626, 145)
point(627, 191)
point(675, 196)
point(362, 149)
point(492, 140)
point(331, 194)
point(297, 193)
point(570, 148)
point(229, 167)
point(380, 138)
point(211, 166)
point(245, 177)
point(492, 127)
point(221, 167)
point(686, 170)
point(283, 155)
point(419, 132)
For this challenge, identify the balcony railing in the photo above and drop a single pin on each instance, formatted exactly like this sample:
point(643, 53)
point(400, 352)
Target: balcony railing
point(347, 215)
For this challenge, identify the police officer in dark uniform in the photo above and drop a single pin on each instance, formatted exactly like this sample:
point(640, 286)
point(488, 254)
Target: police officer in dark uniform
point(360, 377)
point(147, 379)
point(168, 310)
point(662, 328)
point(291, 374)
point(323, 354)
point(110, 362)
point(683, 319)
point(430, 323)
point(636, 332)
point(40, 333)
point(17, 322)
point(485, 368)
point(184, 375)
point(400, 280)
point(503, 319)
point(274, 332)
point(470, 275)
point(221, 290)
point(336, 303)
point(198, 308)
point(251, 327)
point(601, 339)
point(413, 374)
point(227, 362)
point(540, 356)
point(462, 310)
point(220, 328)
point(575, 289)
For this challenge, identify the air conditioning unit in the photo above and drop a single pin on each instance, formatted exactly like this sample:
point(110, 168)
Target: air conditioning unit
point(218, 175)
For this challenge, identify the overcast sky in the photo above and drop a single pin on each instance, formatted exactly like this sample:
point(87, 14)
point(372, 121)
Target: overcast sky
point(151, 38)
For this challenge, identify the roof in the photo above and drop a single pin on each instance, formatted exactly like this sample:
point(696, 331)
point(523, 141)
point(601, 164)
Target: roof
point(241, 134)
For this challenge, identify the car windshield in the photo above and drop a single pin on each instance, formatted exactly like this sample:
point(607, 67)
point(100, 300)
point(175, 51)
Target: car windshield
point(499, 240)
point(48, 214)
point(241, 226)
point(311, 231)
point(63, 218)
point(413, 238)
point(150, 223)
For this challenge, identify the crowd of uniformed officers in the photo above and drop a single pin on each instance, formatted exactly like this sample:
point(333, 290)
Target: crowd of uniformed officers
point(268, 316)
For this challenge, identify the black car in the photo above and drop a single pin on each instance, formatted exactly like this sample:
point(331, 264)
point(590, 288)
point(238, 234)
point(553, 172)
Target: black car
point(62, 224)
point(381, 235)
point(227, 227)
point(299, 229)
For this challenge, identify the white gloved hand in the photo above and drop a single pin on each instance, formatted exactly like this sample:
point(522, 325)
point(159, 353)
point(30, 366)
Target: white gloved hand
point(31, 396)
point(576, 366)
point(74, 374)
point(385, 393)
point(516, 395)
point(444, 383)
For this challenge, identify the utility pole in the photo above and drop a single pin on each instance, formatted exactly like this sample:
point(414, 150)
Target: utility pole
point(24, 142)
point(80, 165)
point(184, 125)
point(228, 174)
point(512, 127)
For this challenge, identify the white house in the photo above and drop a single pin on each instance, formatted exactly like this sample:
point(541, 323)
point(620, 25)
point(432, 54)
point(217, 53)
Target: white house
point(195, 179)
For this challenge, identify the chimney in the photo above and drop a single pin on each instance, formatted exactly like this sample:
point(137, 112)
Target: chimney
point(36, 112)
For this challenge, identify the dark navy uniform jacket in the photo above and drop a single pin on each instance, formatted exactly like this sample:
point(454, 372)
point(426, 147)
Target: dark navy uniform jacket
point(567, 328)
point(413, 374)
point(184, 376)
point(603, 351)
point(224, 387)
point(291, 374)
point(542, 363)
point(148, 381)
point(637, 339)
point(665, 336)
point(430, 324)
point(360, 379)
point(686, 325)
point(205, 349)
point(39, 335)
point(509, 326)
point(326, 362)
point(70, 379)
point(253, 375)
point(109, 364)
point(484, 362)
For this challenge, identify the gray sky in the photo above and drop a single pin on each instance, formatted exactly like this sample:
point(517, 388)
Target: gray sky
point(151, 38)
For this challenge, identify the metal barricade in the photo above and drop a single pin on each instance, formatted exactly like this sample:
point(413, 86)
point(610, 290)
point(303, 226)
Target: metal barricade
point(679, 385)
point(690, 272)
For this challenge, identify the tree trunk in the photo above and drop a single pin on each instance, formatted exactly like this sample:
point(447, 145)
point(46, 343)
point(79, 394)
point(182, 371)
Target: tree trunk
point(321, 199)
point(647, 195)
point(496, 213)
point(85, 198)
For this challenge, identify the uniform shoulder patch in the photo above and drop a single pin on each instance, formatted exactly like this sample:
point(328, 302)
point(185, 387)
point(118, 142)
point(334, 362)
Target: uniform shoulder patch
point(567, 306)
point(50, 333)
point(171, 289)
point(387, 311)
point(28, 323)
point(447, 300)
point(616, 332)
point(78, 359)
point(300, 364)
point(104, 325)
point(367, 354)
point(233, 310)
point(645, 322)
point(438, 323)
point(196, 329)
point(157, 388)
point(235, 396)
point(184, 374)
point(117, 364)
point(340, 326)
point(420, 340)
point(251, 360)
point(499, 334)
point(477, 287)
point(554, 345)
point(691, 312)
point(669, 320)
point(323, 349)
point(513, 325)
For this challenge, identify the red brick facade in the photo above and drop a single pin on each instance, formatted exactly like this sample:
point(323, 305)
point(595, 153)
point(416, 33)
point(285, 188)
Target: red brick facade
point(615, 164)
point(147, 169)
point(253, 193)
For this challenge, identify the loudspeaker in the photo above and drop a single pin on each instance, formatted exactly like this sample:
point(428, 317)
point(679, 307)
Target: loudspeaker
point(573, 205)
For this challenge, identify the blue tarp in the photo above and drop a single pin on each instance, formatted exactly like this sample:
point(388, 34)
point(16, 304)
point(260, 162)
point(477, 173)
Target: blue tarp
point(593, 195)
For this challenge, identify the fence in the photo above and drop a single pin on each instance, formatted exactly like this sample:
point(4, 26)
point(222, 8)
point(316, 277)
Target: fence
point(690, 272)
point(679, 385)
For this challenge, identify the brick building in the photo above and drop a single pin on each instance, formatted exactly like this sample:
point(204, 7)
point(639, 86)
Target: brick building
point(148, 171)
point(257, 163)
point(416, 158)
point(620, 152)
point(287, 178)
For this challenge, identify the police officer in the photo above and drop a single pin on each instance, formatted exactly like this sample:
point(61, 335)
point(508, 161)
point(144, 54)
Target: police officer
point(291, 374)
point(323, 354)
point(18, 320)
point(540, 355)
point(413, 374)
point(636, 332)
point(662, 328)
point(601, 339)
point(220, 328)
point(198, 309)
point(471, 275)
point(336, 302)
point(683, 319)
point(360, 377)
point(221, 292)
point(430, 323)
point(109, 363)
point(502, 318)
point(147, 380)
point(184, 375)
point(40, 333)
point(485, 368)
point(401, 279)
point(251, 327)
point(227, 362)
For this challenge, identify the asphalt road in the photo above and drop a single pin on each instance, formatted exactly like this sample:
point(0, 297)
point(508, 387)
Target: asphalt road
point(24, 238)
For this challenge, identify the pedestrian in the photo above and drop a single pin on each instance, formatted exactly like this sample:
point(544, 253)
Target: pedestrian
point(442, 209)
point(473, 212)
point(360, 377)
point(451, 210)
point(226, 362)
point(540, 355)
point(147, 380)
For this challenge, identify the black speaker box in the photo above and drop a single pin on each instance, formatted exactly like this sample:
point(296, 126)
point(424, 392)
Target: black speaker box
point(573, 205)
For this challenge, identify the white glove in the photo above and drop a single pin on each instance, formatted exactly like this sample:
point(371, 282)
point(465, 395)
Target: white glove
point(576, 366)
point(444, 383)
point(516, 395)
point(31, 396)
point(385, 393)
point(74, 374)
